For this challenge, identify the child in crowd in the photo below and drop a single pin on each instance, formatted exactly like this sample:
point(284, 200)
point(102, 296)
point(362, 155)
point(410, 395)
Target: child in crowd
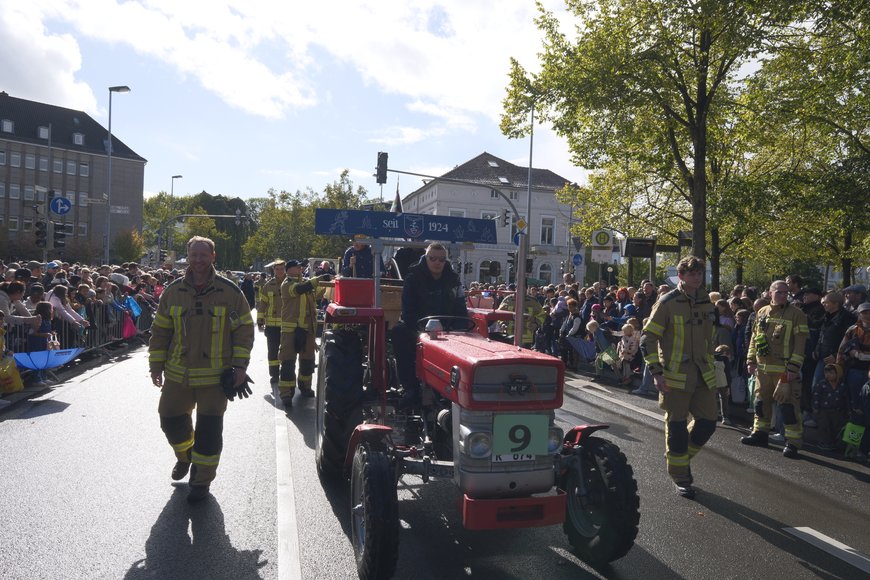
point(830, 403)
point(38, 339)
point(722, 362)
point(627, 349)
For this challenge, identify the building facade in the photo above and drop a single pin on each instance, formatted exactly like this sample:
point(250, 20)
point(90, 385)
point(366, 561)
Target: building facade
point(45, 149)
point(551, 247)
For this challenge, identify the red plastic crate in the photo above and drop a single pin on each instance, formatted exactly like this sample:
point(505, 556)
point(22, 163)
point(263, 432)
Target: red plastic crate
point(355, 291)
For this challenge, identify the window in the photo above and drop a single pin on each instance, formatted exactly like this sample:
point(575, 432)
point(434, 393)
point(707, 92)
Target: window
point(13, 223)
point(14, 191)
point(8, 126)
point(545, 272)
point(28, 193)
point(30, 161)
point(83, 230)
point(71, 196)
point(58, 165)
point(78, 139)
point(15, 159)
point(504, 180)
point(43, 163)
point(83, 198)
point(27, 224)
point(456, 213)
point(40, 194)
point(2, 190)
point(493, 193)
point(514, 195)
point(492, 163)
point(84, 169)
point(42, 132)
point(2, 158)
point(487, 215)
point(70, 167)
point(548, 229)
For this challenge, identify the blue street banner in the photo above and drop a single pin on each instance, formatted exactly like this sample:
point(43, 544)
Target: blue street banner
point(384, 224)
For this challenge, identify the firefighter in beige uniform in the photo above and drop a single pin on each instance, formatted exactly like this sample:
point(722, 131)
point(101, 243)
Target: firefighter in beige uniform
point(775, 356)
point(677, 344)
point(269, 315)
point(203, 327)
point(298, 318)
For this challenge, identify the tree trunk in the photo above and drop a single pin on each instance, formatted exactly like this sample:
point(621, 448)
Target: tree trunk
point(715, 254)
point(738, 273)
point(847, 262)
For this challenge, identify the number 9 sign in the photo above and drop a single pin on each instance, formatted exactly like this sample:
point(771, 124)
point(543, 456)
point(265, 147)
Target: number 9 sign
point(520, 434)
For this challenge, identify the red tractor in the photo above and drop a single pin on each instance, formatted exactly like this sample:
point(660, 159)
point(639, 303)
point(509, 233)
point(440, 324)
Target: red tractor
point(487, 422)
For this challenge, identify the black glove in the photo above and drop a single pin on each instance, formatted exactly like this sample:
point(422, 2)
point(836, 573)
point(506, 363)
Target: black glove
point(325, 277)
point(228, 385)
point(300, 336)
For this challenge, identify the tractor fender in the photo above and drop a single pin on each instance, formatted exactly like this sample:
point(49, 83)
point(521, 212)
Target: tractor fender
point(370, 432)
point(576, 435)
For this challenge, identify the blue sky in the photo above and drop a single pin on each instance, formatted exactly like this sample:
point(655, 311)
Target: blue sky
point(242, 96)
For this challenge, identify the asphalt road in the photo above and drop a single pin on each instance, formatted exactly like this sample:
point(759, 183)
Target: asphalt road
point(85, 493)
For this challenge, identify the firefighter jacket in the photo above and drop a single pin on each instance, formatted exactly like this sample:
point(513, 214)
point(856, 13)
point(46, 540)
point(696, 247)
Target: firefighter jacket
point(197, 334)
point(779, 336)
point(679, 334)
point(269, 304)
point(298, 303)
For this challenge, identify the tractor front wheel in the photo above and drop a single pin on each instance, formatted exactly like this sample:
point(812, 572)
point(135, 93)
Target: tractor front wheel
point(374, 512)
point(603, 505)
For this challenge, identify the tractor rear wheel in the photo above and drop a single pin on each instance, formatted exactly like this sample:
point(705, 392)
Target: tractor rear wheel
point(374, 512)
point(603, 506)
point(339, 392)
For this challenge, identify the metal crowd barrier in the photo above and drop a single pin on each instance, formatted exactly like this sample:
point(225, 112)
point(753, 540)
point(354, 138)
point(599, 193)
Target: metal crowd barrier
point(107, 330)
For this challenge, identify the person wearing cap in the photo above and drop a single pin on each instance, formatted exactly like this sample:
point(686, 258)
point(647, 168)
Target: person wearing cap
point(51, 270)
point(202, 330)
point(855, 296)
point(269, 315)
point(811, 305)
point(431, 288)
point(35, 268)
point(777, 350)
point(677, 345)
point(357, 261)
point(298, 319)
point(854, 355)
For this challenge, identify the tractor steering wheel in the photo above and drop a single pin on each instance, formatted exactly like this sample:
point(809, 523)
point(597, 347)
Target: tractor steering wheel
point(449, 323)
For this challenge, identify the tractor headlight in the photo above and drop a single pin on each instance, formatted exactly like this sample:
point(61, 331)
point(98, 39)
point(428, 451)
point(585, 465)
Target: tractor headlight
point(554, 443)
point(478, 444)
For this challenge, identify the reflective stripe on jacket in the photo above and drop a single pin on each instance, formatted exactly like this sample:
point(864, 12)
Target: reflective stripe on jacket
point(785, 329)
point(269, 304)
point(196, 335)
point(298, 309)
point(679, 334)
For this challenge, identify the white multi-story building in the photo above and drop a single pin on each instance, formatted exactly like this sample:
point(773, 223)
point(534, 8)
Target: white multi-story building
point(549, 220)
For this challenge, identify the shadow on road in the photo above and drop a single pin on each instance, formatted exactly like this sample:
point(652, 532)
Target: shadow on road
point(39, 408)
point(771, 531)
point(205, 553)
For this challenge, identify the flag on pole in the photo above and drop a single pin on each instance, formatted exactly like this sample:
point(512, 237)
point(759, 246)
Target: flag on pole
point(396, 208)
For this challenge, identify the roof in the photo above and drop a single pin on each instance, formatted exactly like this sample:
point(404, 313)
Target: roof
point(28, 116)
point(487, 169)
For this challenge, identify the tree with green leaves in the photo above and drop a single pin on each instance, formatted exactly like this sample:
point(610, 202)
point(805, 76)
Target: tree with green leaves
point(641, 82)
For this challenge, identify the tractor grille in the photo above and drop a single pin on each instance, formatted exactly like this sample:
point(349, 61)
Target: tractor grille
point(512, 383)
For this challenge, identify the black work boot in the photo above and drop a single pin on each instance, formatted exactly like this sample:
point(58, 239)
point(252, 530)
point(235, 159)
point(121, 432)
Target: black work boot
point(197, 493)
point(305, 390)
point(180, 470)
point(756, 439)
point(790, 451)
point(685, 489)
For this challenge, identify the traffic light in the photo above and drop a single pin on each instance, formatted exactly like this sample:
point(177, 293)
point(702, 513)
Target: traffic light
point(41, 234)
point(50, 194)
point(505, 220)
point(529, 265)
point(512, 261)
point(59, 231)
point(381, 175)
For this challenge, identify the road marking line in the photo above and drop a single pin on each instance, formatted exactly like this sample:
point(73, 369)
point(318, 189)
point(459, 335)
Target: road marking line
point(832, 547)
point(594, 391)
point(289, 563)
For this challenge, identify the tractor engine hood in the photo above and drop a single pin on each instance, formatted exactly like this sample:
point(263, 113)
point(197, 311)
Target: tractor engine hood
point(481, 374)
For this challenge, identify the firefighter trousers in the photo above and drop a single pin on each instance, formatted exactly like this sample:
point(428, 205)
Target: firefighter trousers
point(683, 440)
point(273, 341)
point(200, 445)
point(765, 384)
point(288, 379)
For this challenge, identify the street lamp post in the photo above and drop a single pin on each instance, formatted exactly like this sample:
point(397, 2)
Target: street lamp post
point(118, 89)
point(172, 208)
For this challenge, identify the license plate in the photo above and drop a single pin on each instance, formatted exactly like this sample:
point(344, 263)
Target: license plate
point(512, 457)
